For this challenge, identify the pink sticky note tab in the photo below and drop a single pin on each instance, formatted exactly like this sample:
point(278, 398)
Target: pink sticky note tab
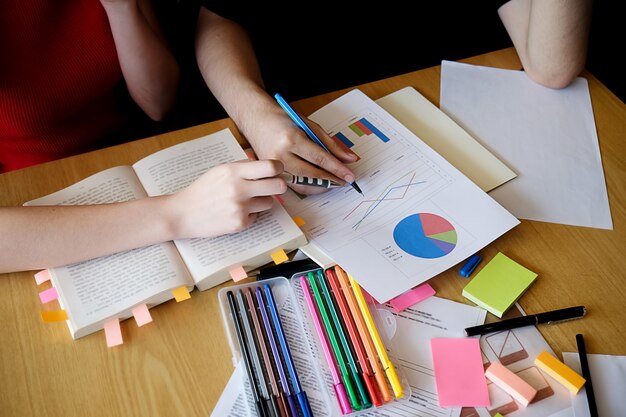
point(280, 200)
point(412, 297)
point(142, 315)
point(511, 383)
point(48, 295)
point(238, 273)
point(113, 332)
point(459, 373)
point(42, 276)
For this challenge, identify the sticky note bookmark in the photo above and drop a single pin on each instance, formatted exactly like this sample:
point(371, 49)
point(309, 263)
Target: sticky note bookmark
point(459, 373)
point(48, 295)
point(113, 332)
point(238, 273)
point(412, 297)
point(279, 257)
point(52, 316)
point(142, 315)
point(559, 371)
point(511, 383)
point(181, 294)
point(299, 221)
point(42, 276)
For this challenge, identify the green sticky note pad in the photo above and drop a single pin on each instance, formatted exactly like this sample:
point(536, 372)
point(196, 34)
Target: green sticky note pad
point(499, 284)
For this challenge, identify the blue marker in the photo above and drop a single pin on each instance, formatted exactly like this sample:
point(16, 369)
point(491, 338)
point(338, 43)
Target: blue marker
point(469, 266)
point(291, 368)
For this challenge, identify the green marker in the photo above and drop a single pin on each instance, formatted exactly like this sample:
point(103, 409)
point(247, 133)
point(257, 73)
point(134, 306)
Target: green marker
point(347, 381)
point(367, 403)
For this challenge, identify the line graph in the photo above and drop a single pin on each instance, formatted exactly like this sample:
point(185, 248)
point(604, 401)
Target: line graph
point(383, 196)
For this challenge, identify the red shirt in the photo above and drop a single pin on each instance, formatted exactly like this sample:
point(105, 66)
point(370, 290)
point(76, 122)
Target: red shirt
point(58, 70)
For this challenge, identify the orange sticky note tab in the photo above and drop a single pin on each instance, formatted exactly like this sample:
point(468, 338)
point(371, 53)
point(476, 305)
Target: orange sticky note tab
point(48, 295)
point(51, 316)
point(559, 371)
point(238, 273)
point(279, 257)
point(42, 276)
point(113, 332)
point(299, 221)
point(181, 294)
point(511, 383)
point(142, 315)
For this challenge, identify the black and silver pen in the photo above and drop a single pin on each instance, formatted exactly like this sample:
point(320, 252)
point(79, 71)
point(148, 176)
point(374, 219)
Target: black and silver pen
point(563, 314)
point(314, 182)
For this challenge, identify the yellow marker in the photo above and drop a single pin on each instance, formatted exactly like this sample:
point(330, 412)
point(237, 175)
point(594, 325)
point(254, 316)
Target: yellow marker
point(50, 316)
point(181, 294)
point(559, 371)
point(388, 367)
point(279, 257)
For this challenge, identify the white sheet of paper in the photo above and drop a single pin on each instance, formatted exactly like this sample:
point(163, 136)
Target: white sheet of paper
point(608, 376)
point(232, 402)
point(548, 137)
point(418, 217)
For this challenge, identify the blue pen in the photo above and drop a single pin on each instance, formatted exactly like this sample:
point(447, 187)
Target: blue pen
point(300, 394)
point(302, 125)
point(469, 266)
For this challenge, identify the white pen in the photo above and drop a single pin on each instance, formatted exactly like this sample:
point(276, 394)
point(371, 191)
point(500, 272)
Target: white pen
point(314, 182)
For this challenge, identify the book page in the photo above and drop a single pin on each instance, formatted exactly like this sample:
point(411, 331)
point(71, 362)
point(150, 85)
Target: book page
point(209, 259)
point(418, 216)
point(109, 286)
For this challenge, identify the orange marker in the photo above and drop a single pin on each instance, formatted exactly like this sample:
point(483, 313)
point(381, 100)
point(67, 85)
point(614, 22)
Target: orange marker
point(366, 370)
point(361, 327)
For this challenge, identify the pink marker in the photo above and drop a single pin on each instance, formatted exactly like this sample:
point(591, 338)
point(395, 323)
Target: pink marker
point(342, 396)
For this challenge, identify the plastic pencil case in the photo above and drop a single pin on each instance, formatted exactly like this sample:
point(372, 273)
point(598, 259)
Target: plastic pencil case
point(307, 354)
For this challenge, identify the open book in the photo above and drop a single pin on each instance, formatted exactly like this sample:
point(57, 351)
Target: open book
point(95, 291)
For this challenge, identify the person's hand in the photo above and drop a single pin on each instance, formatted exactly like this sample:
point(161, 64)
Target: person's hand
point(225, 199)
point(275, 136)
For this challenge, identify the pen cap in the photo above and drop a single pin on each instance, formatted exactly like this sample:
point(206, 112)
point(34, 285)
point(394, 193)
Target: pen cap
point(342, 398)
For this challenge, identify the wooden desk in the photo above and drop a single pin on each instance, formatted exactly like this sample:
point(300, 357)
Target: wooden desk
point(179, 364)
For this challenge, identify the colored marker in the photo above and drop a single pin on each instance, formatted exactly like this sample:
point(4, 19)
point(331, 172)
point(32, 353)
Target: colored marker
point(284, 382)
point(365, 337)
point(340, 391)
point(469, 266)
point(282, 340)
point(332, 336)
point(388, 367)
point(357, 344)
point(246, 355)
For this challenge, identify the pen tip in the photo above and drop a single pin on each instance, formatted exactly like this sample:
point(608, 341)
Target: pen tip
point(357, 188)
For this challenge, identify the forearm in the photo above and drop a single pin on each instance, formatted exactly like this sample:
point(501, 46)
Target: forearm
point(149, 68)
point(550, 37)
point(47, 236)
point(229, 67)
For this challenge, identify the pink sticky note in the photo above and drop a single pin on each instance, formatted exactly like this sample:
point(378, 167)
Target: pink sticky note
point(412, 297)
point(113, 332)
point(459, 373)
point(238, 273)
point(42, 276)
point(48, 295)
point(142, 315)
point(511, 383)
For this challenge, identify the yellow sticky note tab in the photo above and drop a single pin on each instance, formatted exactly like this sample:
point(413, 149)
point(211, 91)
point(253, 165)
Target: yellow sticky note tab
point(238, 273)
point(52, 316)
point(42, 276)
point(559, 371)
point(181, 294)
point(279, 257)
point(142, 315)
point(298, 221)
point(113, 332)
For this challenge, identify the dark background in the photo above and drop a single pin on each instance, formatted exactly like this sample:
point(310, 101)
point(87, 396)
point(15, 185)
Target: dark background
point(322, 48)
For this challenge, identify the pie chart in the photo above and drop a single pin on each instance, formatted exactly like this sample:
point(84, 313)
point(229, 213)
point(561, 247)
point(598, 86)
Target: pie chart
point(425, 235)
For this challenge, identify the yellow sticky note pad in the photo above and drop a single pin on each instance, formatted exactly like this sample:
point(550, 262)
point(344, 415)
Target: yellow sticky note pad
point(238, 273)
point(279, 257)
point(298, 221)
point(52, 316)
point(559, 371)
point(181, 294)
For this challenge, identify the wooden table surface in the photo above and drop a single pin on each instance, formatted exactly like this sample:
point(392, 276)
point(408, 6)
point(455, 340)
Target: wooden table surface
point(179, 364)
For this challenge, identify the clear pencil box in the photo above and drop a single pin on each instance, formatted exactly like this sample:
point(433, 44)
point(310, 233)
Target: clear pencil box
point(300, 381)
